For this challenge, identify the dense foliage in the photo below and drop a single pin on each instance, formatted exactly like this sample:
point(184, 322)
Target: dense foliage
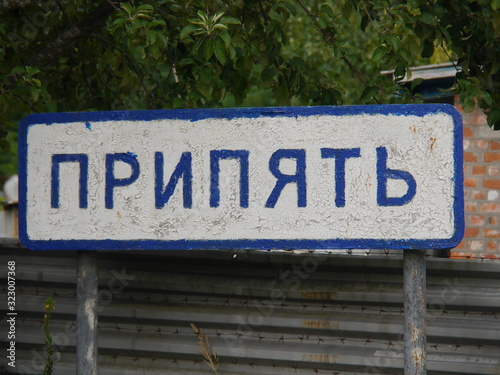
point(61, 55)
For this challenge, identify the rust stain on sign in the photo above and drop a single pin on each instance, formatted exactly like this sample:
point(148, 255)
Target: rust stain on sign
point(326, 324)
point(320, 295)
point(325, 358)
point(433, 143)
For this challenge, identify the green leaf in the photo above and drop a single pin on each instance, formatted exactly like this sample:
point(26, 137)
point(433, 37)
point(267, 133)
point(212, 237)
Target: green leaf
point(32, 70)
point(495, 66)
point(291, 8)
point(416, 82)
point(203, 16)
point(118, 23)
point(187, 30)
point(186, 61)
point(468, 104)
point(268, 73)
point(224, 35)
point(400, 71)
point(177, 103)
point(364, 22)
point(197, 45)
point(332, 97)
point(327, 9)
point(428, 50)
point(205, 90)
point(393, 41)
point(206, 75)
point(208, 49)
point(216, 17)
point(198, 22)
point(428, 18)
point(297, 63)
point(282, 94)
point(414, 45)
point(220, 26)
point(220, 50)
point(34, 92)
point(145, 8)
point(487, 98)
point(194, 95)
point(324, 23)
point(163, 38)
point(379, 52)
point(496, 23)
point(368, 93)
point(347, 9)
point(127, 7)
point(230, 21)
point(51, 106)
point(494, 119)
point(151, 37)
point(18, 70)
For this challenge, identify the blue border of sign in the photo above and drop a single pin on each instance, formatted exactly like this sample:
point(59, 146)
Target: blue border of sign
point(230, 113)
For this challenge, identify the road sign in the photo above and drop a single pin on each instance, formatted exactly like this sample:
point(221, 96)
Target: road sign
point(261, 178)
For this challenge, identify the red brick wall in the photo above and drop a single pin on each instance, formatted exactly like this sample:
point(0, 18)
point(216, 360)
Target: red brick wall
point(482, 188)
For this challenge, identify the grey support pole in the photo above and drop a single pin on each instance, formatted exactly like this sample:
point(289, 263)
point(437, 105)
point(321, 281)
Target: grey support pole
point(86, 313)
point(415, 327)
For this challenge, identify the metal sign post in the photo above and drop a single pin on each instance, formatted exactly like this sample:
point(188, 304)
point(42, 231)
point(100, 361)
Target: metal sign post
point(415, 328)
point(86, 313)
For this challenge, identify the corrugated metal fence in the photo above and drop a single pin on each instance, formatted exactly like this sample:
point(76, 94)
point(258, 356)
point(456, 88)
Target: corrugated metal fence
point(263, 312)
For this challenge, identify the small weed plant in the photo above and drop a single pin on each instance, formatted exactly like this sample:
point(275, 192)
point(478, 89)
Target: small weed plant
point(209, 355)
point(49, 350)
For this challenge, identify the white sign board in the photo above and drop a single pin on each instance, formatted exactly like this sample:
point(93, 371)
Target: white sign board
point(261, 178)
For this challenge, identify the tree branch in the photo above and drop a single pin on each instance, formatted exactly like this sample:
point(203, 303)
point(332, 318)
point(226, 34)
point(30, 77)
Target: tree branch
point(357, 73)
point(129, 59)
point(62, 43)
point(29, 105)
point(66, 39)
point(366, 11)
point(328, 37)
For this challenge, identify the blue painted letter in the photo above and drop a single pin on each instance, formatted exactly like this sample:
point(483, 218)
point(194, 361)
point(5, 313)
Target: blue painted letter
point(182, 170)
point(215, 156)
point(299, 177)
point(384, 173)
point(111, 182)
point(57, 159)
point(340, 155)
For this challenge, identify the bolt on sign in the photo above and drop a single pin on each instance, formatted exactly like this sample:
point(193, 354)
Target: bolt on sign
point(260, 178)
